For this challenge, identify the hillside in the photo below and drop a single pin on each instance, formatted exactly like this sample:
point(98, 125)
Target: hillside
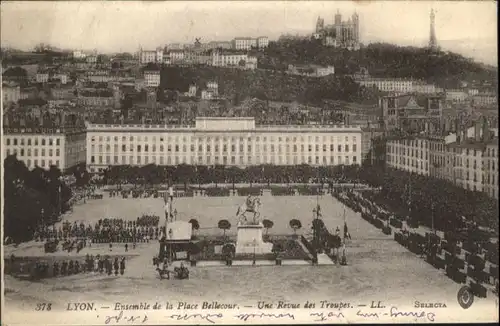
point(382, 60)
point(238, 85)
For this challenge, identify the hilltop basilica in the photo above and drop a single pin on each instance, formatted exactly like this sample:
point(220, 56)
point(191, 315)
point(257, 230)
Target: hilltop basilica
point(342, 34)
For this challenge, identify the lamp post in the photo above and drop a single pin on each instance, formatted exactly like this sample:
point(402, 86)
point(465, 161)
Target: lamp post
point(254, 242)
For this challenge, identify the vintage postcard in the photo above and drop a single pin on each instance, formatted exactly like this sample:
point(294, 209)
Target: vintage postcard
point(253, 162)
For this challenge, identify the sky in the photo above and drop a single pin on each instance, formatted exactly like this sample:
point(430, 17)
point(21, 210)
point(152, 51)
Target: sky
point(469, 28)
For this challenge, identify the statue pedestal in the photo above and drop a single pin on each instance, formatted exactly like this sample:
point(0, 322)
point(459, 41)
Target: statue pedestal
point(249, 240)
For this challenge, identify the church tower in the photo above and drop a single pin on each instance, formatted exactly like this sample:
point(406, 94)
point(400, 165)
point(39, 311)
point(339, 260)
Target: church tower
point(355, 20)
point(338, 18)
point(319, 25)
point(432, 39)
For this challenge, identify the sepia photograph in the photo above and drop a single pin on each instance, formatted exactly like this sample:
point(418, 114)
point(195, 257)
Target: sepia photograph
point(249, 162)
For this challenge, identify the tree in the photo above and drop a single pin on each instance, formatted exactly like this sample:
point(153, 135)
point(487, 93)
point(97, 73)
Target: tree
point(42, 190)
point(224, 225)
point(295, 225)
point(233, 174)
point(184, 173)
point(268, 224)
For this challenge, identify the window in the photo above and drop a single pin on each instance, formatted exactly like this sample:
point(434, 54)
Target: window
point(339, 148)
point(58, 142)
point(8, 141)
point(346, 148)
point(138, 148)
point(43, 141)
point(43, 151)
point(58, 152)
point(354, 148)
point(146, 148)
point(124, 148)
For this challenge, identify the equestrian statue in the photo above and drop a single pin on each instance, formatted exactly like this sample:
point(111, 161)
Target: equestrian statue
point(251, 205)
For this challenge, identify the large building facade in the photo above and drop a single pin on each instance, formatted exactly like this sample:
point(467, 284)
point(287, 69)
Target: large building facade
point(46, 147)
point(226, 141)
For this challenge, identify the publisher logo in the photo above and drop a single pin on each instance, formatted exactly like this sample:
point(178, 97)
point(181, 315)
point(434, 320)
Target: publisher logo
point(465, 297)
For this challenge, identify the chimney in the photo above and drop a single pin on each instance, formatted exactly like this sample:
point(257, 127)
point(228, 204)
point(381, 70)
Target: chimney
point(41, 119)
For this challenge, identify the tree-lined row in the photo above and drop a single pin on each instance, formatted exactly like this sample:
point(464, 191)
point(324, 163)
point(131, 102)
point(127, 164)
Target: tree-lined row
point(434, 202)
point(197, 175)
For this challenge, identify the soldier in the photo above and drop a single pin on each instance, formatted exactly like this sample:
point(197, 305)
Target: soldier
point(55, 269)
point(122, 266)
point(70, 267)
point(64, 267)
point(116, 265)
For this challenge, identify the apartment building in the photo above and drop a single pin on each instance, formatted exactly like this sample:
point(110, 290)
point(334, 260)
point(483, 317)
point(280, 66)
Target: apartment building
point(46, 147)
point(311, 70)
point(11, 93)
point(147, 57)
point(468, 158)
point(388, 84)
point(244, 43)
point(456, 96)
point(228, 59)
point(484, 100)
point(42, 77)
point(152, 78)
point(228, 141)
point(490, 168)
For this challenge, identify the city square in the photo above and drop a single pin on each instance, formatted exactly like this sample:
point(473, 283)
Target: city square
point(273, 162)
point(375, 261)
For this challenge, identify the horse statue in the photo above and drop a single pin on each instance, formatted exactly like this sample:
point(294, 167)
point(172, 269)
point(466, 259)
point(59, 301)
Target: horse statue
point(251, 205)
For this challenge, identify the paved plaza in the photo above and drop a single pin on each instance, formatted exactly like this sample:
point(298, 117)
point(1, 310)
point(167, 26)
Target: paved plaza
point(378, 269)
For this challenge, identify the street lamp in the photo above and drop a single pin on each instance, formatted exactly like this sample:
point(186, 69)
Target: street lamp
point(254, 242)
